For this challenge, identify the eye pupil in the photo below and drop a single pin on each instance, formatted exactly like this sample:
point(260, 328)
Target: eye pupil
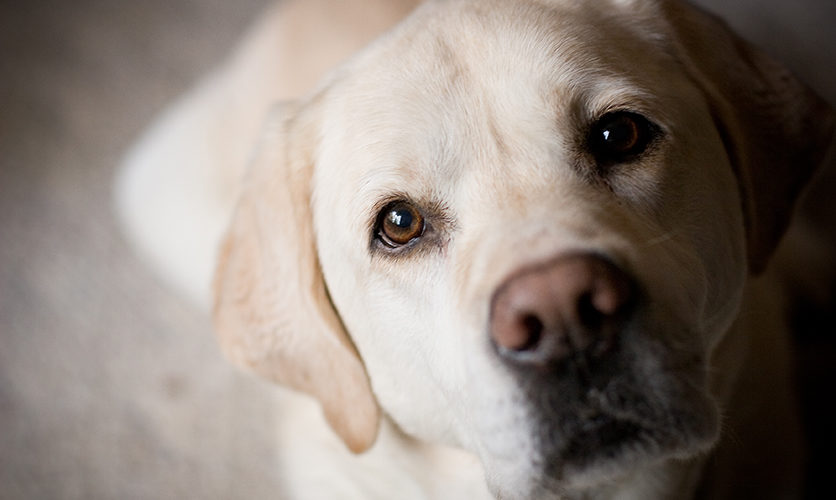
point(400, 218)
point(621, 134)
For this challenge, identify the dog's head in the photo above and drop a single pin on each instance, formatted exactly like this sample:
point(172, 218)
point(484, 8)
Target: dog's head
point(520, 227)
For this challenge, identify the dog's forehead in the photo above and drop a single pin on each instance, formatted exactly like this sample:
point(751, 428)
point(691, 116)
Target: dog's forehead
point(511, 44)
point(462, 83)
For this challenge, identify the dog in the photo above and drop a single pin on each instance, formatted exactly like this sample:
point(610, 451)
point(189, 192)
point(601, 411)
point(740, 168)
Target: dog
point(510, 249)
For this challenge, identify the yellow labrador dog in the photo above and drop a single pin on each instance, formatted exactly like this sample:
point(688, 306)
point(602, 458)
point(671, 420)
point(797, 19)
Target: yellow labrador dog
point(512, 249)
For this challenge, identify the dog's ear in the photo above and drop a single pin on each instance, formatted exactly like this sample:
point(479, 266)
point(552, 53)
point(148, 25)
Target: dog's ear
point(272, 311)
point(775, 129)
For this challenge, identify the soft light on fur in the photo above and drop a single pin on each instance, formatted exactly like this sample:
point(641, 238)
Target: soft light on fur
point(477, 112)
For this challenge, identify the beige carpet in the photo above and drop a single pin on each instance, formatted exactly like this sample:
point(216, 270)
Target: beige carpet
point(110, 385)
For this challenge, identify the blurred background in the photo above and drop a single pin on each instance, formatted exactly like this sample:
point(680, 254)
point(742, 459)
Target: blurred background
point(111, 386)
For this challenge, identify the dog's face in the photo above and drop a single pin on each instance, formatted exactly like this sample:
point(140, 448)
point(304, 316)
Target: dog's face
point(531, 219)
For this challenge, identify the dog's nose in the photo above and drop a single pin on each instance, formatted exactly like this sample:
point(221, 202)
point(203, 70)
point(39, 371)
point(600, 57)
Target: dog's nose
point(548, 313)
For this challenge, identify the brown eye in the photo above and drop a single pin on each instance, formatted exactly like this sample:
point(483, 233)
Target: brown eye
point(620, 137)
point(400, 223)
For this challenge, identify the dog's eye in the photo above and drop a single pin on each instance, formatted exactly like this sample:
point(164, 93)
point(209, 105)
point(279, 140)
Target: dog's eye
point(399, 223)
point(620, 137)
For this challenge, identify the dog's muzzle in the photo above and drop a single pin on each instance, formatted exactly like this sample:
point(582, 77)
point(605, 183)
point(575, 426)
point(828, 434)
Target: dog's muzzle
point(603, 381)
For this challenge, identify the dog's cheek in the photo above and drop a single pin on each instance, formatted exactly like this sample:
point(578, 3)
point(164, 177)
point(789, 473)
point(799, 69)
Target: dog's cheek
point(700, 248)
point(719, 238)
point(415, 354)
point(398, 316)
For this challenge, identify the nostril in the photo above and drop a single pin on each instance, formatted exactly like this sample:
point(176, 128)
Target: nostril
point(533, 328)
point(516, 330)
point(589, 315)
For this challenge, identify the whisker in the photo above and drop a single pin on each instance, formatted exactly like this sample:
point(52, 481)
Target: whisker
point(656, 240)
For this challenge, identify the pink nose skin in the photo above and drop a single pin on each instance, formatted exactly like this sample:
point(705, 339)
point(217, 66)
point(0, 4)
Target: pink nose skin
point(549, 313)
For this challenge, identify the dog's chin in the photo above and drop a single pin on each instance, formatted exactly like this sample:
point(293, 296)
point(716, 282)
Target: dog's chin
point(601, 443)
point(610, 448)
point(586, 442)
point(605, 451)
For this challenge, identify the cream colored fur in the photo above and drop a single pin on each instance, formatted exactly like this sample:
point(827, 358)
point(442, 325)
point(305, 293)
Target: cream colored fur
point(475, 107)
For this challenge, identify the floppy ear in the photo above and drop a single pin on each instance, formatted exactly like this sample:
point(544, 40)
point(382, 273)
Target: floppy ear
point(775, 129)
point(272, 311)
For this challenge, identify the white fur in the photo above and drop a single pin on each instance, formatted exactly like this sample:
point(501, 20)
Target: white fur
point(427, 111)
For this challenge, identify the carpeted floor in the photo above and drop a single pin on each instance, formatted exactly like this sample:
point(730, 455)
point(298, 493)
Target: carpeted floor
point(111, 386)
